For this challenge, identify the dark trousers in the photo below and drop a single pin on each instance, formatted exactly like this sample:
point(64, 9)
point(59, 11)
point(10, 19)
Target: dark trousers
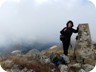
point(66, 43)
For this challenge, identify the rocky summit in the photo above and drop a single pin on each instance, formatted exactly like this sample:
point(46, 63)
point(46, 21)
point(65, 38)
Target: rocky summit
point(80, 59)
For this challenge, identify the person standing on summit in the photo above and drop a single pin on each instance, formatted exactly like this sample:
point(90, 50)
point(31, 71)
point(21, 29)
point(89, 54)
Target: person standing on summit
point(66, 34)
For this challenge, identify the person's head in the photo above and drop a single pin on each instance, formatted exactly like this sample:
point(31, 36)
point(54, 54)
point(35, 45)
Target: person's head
point(69, 24)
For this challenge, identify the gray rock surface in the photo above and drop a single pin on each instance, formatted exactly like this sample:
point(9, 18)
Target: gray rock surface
point(74, 67)
point(82, 70)
point(16, 52)
point(84, 49)
point(66, 58)
point(63, 68)
point(88, 67)
point(7, 64)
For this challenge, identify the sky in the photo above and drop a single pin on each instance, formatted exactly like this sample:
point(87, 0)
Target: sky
point(42, 20)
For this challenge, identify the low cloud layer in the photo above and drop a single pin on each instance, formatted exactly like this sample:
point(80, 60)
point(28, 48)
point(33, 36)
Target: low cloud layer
point(28, 20)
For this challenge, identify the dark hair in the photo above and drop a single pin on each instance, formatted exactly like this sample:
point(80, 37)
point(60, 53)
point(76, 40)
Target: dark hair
point(69, 22)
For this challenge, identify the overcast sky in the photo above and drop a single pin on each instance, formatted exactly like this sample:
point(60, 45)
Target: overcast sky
point(31, 20)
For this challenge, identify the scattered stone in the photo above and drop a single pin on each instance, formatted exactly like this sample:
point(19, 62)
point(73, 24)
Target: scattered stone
point(57, 62)
point(7, 64)
point(16, 52)
point(44, 59)
point(63, 68)
point(35, 54)
point(82, 70)
point(87, 67)
point(74, 67)
point(66, 58)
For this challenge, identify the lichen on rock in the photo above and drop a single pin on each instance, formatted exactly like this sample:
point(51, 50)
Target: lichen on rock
point(84, 50)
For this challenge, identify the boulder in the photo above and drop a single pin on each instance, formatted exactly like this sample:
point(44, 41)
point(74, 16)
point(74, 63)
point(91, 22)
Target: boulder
point(87, 67)
point(66, 58)
point(34, 53)
point(82, 70)
point(63, 68)
point(44, 59)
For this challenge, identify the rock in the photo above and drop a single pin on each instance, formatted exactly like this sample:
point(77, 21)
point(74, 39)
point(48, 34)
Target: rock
point(54, 49)
point(45, 59)
point(15, 66)
point(20, 70)
point(31, 70)
point(63, 68)
point(66, 58)
point(55, 46)
point(7, 64)
point(74, 67)
point(53, 70)
point(15, 70)
point(87, 67)
point(78, 65)
point(24, 70)
point(82, 70)
point(16, 52)
point(52, 65)
point(34, 53)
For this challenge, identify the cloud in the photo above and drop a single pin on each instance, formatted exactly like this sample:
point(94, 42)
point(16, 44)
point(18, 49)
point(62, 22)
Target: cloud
point(1, 2)
point(27, 20)
point(93, 1)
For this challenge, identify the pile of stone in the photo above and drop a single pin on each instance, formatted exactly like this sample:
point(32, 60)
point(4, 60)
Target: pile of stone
point(84, 53)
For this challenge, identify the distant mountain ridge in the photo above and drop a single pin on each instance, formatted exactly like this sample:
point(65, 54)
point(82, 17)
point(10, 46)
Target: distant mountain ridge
point(25, 47)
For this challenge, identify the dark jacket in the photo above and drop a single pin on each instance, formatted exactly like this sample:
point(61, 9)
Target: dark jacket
point(68, 32)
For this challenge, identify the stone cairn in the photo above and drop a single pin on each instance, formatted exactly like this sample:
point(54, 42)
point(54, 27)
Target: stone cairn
point(84, 51)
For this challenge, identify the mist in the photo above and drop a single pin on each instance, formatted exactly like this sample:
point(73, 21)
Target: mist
point(28, 20)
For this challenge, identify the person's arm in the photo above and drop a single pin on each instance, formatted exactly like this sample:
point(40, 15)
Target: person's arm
point(63, 30)
point(76, 31)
